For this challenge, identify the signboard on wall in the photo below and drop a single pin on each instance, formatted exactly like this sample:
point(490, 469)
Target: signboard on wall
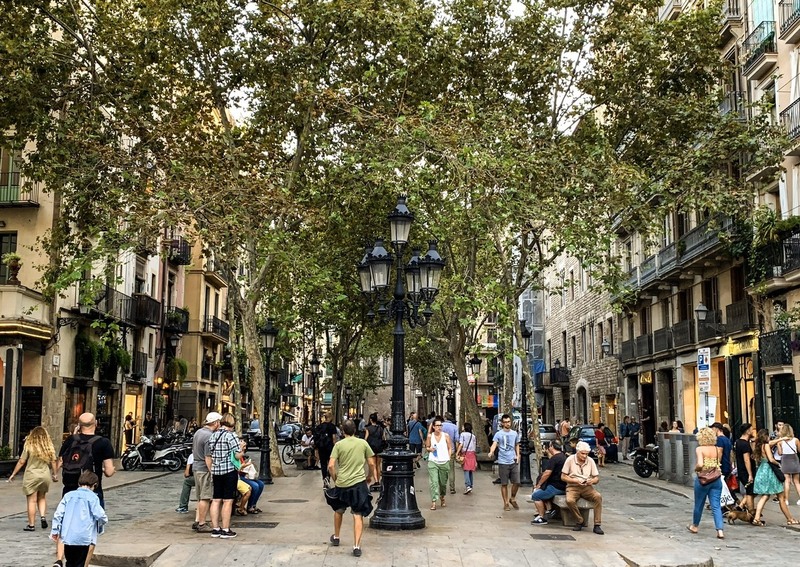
point(704, 369)
point(646, 377)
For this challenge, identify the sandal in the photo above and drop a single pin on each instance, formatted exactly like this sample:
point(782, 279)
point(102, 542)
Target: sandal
point(692, 529)
point(758, 522)
point(792, 522)
point(433, 506)
point(444, 504)
point(29, 528)
point(253, 511)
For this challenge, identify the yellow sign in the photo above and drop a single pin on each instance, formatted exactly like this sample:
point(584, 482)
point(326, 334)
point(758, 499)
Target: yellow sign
point(743, 346)
point(646, 377)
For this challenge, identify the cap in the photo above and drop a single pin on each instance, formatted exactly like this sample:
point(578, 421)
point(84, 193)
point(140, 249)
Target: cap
point(582, 446)
point(212, 417)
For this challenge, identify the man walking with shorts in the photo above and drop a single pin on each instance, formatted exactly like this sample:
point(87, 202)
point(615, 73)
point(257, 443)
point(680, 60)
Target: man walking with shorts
point(351, 490)
point(202, 475)
point(506, 443)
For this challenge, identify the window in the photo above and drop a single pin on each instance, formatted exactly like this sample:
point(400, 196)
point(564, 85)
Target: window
point(491, 335)
point(571, 285)
point(9, 175)
point(584, 357)
point(573, 361)
point(150, 345)
point(8, 243)
point(563, 289)
point(600, 338)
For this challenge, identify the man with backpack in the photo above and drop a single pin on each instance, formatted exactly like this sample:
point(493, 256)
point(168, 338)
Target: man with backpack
point(416, 435)
point(86, 451)
point(324, 438)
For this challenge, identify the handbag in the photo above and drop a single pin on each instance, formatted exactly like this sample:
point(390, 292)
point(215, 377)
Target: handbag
point(776, 470)
point(460, 456)
point(707, 476)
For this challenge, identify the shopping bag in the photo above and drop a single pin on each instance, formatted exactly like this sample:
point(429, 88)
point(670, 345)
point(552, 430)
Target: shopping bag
point(725, 498)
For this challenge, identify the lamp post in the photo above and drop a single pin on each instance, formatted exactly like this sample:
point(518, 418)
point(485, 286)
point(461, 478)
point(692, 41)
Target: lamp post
point(268, 335)
point(415, 284)
point(524, 446)
point(348, 389)
point(475, 365)
point(451, 394)
point(314, 376)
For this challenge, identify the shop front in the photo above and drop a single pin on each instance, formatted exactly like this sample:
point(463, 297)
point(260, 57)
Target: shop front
point(705, 391)
point(746, 392)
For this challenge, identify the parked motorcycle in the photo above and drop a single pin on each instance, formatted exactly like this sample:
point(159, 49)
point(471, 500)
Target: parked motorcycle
point(645, 460)
point(156, 451)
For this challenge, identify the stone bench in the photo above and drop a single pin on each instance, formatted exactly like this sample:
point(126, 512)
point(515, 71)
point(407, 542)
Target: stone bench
point(566, 516)
point(301, 461)
point(484, 462)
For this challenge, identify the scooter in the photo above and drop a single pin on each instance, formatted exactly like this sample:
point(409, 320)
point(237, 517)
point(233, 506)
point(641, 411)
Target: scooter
point(147, 453)
point(645, 460)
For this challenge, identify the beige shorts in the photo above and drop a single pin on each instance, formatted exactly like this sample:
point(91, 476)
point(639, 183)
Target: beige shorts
point(203, 485)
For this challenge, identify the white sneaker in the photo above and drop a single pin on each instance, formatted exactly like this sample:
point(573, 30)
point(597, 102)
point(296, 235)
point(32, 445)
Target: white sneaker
point(798, 502)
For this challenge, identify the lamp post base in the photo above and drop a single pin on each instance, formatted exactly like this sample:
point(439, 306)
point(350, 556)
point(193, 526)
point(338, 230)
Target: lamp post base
point(397, 506)
point(265, 472)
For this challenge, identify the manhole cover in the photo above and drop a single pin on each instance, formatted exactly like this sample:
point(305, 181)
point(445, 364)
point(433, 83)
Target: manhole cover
point(256, 525)
point(649, 505)
point(553, 537)
point(289, 501)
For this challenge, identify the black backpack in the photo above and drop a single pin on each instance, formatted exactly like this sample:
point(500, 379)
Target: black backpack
point(77, 459)
point(322, 438)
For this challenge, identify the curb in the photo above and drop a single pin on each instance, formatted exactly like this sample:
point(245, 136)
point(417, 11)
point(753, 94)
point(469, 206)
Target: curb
point(651, 485)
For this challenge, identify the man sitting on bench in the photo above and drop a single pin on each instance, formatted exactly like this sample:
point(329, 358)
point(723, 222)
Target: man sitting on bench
point(549, 484)
point(581, 474)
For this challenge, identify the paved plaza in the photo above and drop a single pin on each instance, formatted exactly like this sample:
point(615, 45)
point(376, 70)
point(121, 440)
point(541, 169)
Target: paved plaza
point(645, 524)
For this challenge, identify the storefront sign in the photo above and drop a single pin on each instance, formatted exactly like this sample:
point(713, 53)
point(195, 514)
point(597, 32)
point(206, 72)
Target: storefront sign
point(646, 377)
point(704, 369)
point(743, 346)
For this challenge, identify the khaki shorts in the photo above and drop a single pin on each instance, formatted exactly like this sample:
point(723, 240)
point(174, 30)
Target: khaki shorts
point(203, 486)
point(509, 473)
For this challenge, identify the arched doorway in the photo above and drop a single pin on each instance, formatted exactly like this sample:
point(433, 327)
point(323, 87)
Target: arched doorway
point(582, 406)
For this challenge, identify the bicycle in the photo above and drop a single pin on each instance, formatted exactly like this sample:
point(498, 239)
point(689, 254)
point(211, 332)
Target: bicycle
point(291, 447)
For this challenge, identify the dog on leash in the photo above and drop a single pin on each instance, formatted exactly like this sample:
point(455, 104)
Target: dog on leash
point(743, 515)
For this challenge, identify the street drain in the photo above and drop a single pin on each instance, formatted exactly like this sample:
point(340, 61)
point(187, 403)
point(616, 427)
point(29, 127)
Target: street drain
point(256, 525)
point(289, 501)
point(553, 537)
point(649, 505)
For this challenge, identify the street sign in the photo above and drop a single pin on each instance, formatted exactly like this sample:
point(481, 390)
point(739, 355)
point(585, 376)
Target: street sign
point(704, 369)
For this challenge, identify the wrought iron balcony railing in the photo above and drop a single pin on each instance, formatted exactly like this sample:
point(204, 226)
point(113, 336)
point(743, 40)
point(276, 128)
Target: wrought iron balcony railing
point(775, 348)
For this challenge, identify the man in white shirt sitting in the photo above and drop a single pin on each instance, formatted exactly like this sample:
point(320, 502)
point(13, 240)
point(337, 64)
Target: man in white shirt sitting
point(581, 474)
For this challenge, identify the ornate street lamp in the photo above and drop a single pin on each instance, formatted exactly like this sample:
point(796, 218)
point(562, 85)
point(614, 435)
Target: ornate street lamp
point(451, 394)
point(348, 389)
point(475, 366)
point(268, 334)
point(524, 446)
point(415, 288)
point(314, 377)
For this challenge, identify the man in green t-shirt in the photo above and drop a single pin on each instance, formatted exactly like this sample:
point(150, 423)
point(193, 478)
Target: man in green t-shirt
point(346, 467)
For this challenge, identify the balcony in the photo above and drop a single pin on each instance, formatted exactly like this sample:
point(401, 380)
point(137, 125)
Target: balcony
point(662, 340)
point(115, 304)
point(217, 327)
point(731, 16)
point(180, 253)
point(777, 264)
point(627, 350)
point(139, 369)
point(25, 314)
point(775, 348)
point(734, 103)
point(644, 345)
point(789, 20)
point(176, 320)
point(739, 316)
point(209, 372)
point(790, 121)
point(703, 238)
point(711, 327)
point(760, 51)
point(670, 10)
point(647, 270)
point(667, 258)
point(683, 333)
point(213, 275)
point(560, 377)
point(17, 192)
point(147, 309)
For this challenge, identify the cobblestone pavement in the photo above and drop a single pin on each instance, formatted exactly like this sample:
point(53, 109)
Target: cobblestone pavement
point(643, 522)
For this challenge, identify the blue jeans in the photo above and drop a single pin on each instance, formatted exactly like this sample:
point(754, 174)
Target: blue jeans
point(468, 479)
point(257, 487)
point(547, 493)
point(713, 492)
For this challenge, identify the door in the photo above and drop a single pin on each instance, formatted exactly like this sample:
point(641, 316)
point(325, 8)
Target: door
point(784, 400)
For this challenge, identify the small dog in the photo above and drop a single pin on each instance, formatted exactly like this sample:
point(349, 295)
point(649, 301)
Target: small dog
point(742, 515)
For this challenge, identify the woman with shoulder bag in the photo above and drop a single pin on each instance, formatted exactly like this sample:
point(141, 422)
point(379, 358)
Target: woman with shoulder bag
point(373, 435)
point(766, 482)
point(708, 482)
point(465, 454)
point(790, 463)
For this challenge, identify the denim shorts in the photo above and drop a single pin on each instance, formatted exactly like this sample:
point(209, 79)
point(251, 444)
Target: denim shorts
point(547, 493)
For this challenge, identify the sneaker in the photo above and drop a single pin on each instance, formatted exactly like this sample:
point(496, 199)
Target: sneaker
point(469, 489)
point(204, 529)
point(194, 526)
point(598, 530)
point(58, 563)
point(357, 551)
point(182, 510)
point(550, 514)
point(216, 532)
point(539, 521)
point(44, 523)
point(227, 534)
point(798, 502)
point(496, 481)
point(334, 541)
point(452, 491)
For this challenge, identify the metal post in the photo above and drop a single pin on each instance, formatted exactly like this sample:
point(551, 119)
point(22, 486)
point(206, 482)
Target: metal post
point(397, 508)
point(265, 473)
point(525, 447)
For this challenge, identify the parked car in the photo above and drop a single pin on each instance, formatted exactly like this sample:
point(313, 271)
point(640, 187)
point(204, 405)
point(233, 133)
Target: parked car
point(547, 432)
point(585, 432)
point(288, 430)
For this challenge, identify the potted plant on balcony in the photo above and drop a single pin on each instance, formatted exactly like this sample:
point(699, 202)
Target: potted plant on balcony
point(13, 262)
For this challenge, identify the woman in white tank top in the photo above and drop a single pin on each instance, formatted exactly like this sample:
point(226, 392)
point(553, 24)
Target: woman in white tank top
point(439, 447)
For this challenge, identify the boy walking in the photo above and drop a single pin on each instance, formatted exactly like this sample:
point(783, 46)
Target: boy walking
point(506, 447)
point(77, 521)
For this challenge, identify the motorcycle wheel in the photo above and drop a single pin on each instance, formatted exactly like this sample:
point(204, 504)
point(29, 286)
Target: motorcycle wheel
point(174, 464)
point(642, 468)
point(130, 463)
